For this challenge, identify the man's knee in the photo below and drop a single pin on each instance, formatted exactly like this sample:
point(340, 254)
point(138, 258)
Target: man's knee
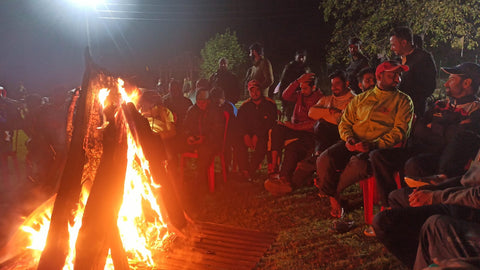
point(374, 155)
point(433, 224)
point(380, 223)
point(399, 198)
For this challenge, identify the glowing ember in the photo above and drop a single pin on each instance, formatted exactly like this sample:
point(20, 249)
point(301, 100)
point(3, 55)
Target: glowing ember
point(140, 222)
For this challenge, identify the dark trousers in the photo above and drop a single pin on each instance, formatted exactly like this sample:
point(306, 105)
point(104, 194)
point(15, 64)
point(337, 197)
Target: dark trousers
point(281, 133)
point(338, 168)
point(452, 160)
point(241, 151)
point(385, 163)
point(445, 237)
point(326, 134)
point(399, 229)
point(295, 152)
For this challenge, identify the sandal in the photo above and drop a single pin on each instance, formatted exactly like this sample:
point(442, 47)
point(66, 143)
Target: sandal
point(369, 231)
point(337, 210)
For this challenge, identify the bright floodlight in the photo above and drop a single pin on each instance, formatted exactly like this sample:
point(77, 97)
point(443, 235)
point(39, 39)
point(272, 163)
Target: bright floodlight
point(91, 3)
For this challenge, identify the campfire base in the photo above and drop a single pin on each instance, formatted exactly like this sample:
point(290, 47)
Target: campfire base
point(209, 246)
point(216, 246)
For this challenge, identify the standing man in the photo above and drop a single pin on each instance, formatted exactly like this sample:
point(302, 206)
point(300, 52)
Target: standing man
point(261, 71)
point(226, 80)
point(256, 117)
point(291, 72)
point(419, 81)
point(376, 119)
point(359, 62)
point(177, 103)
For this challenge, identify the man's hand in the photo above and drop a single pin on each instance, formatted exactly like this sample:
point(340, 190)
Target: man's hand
point(420, 198)
point(247, 140)
point(288, 124)
point(306, 77)
point(195, 139)
point(334, 110)
point(254, 142)
point(350, 144)
point(364, 147)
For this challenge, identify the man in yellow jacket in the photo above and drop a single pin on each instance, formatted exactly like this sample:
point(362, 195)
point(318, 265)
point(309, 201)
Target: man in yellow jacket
point(376, 119)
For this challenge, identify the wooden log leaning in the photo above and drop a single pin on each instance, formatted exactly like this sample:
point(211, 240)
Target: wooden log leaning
point(56, 249)
point(153, 148)
point(99, 231)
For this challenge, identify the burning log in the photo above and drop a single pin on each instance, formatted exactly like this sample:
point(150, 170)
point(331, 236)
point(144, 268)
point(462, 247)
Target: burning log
point(99, 231)
point(112, 146)
point(56, 249)
point(156, 155)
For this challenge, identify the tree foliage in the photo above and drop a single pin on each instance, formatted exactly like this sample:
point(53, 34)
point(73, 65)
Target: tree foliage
point(444, 24)
point(223, 45)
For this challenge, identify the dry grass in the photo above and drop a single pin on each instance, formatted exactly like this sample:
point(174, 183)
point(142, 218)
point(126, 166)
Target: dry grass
point(301, 219)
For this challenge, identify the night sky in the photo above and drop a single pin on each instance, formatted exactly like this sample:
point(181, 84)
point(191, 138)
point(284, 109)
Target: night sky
point(42, 41)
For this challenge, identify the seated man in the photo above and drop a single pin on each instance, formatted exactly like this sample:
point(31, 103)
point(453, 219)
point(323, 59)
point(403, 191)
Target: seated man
point(376, 119)
point(217, 97)
point(256, 117)
point(327, 112)
point(299, 129)
point(441, 224)
point(447, 137)
point(300, 126)
point(366, 79)
point(204, 126)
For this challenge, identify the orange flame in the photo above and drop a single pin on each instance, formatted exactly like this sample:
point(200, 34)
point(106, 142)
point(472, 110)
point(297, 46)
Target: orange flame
point(140, 232)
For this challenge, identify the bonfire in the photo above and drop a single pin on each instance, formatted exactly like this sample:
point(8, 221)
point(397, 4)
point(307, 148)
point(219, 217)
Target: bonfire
point(115, 198)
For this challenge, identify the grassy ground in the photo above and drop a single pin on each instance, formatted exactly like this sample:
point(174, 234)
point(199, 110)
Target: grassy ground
point(301, 219)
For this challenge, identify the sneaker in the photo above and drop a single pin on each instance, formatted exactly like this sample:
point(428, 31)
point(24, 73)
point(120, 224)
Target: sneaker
point(277, 187)
point(369, 231)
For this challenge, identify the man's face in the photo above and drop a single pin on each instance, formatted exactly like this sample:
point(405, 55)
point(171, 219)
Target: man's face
point(398, 46)
point(367, 82)
point(255, 93)
point(300, 58)
point(202, 104)
point(223, 65)
point(253, 55)
point(353, 49)
point(175, 90)
point(388, 80)
point(454, 86)
point(339, 87)
point(306, 89)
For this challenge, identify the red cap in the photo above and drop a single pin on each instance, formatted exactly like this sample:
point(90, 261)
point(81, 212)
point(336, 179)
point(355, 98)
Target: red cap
point(253, 83)
point(390, 66)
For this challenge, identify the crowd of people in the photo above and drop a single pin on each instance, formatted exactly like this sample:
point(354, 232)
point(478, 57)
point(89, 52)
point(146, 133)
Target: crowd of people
point(376, 122)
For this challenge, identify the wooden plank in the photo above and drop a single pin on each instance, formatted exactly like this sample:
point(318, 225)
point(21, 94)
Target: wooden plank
point(213, 257)
point(229, 254)
point(232, 245)
point(225, 238)
point(227, 228)
point(234, 235)
point(206, 264)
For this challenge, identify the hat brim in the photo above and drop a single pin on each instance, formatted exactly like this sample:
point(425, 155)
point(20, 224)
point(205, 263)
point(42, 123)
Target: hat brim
point(402, 67)
point(452, 70)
